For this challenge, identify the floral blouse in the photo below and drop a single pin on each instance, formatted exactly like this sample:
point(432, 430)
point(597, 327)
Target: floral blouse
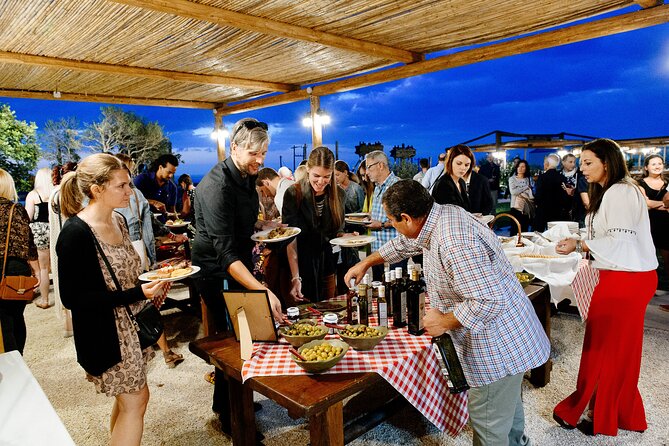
point(21, 243)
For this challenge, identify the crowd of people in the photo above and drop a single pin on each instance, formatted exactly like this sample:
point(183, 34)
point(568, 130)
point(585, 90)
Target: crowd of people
point(101, 224)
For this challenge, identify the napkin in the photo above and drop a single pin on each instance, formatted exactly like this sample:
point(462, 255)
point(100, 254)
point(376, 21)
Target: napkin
point(559, 232)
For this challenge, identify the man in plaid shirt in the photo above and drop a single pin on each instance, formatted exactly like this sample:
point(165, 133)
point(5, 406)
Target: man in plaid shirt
point(378, 171)
point(476, 297)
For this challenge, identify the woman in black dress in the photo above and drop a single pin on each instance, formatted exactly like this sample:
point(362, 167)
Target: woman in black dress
point(655, 187)
point(316, 206)
point(451, 188)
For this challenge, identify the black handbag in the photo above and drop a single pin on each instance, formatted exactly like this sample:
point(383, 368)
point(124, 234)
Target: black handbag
point(147, 321)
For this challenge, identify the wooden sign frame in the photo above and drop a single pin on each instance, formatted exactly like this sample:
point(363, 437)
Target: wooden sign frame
point(258, 314)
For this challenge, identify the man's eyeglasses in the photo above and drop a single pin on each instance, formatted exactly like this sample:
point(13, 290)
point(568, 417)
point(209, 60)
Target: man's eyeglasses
point(250, 125)
point(373, 164)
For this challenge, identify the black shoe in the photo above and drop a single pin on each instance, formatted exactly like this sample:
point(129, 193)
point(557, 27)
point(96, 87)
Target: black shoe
point(562, 422)
point(257, 407)
point(587, 427)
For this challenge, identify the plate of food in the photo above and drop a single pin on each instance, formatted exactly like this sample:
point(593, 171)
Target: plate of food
point(353, 241)
point(176, 223)
point(358, 218)
point(275, 235)
point(169, 273)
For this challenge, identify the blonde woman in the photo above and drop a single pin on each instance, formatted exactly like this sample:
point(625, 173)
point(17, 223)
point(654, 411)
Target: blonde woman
point(107, 345)
point(37, 206)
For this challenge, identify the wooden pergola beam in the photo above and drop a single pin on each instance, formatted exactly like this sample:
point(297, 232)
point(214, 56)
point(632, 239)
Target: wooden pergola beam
point(223, 17)
point(103, 68)
point(563, 36)
point(48, 95)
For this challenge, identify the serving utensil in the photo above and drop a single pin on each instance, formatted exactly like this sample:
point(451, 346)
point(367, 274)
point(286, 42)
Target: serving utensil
point(297, 354)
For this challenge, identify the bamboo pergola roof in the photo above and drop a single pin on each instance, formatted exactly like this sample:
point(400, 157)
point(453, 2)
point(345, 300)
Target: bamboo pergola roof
point(237, 55)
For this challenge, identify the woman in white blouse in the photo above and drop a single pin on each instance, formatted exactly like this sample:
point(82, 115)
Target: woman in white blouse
point(522, 198)
point(621, 246)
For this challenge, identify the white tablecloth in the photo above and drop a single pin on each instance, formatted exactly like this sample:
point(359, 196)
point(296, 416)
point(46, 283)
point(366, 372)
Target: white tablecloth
point(26, 415)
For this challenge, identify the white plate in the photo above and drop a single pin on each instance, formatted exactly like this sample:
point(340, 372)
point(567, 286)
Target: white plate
point(353, 241)
point(178, 225)
point(262, 236)
point(357, 222)
point(359, 214)
point(529, 235)
point(145, 277)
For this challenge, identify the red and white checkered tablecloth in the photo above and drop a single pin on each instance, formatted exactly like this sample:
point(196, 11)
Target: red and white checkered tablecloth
point(407, 362)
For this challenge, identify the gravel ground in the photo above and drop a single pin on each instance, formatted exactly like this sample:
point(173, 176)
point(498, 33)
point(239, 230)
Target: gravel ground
point(179, 411)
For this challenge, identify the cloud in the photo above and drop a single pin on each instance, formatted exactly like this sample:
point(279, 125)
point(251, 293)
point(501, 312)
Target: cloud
point(348, 96)
point(202, 132)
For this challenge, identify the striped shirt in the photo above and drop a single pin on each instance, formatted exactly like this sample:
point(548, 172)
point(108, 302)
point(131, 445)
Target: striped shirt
point(468, 274)
point(378, 213)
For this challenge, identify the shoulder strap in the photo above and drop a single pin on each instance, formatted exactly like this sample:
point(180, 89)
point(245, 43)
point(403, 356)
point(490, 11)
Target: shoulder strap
point(9, 227)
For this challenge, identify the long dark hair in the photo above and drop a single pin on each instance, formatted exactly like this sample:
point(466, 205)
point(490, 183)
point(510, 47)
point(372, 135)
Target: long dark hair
point(609, 153)
point(323, 157)
point(455, 151)
point(367, 185)
point(528, 174)
point(341, 166)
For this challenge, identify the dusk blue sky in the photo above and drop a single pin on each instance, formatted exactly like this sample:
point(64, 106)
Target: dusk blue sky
point(616, 87)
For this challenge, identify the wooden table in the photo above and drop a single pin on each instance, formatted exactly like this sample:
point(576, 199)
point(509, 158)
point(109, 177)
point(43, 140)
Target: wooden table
point(318, 399)
point(539, 294)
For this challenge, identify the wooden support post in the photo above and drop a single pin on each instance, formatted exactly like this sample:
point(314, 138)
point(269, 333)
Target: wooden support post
point(316, 124)
point(220, 139)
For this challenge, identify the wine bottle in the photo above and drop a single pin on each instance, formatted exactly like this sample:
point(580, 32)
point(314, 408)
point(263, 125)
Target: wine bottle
point(350, 306)
point(450, 364)
point(363, 309)
point(399, 301)
point(415, 304)
point(382, 307)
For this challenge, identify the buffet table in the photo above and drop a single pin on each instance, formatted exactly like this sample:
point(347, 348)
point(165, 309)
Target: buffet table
point(405, 362)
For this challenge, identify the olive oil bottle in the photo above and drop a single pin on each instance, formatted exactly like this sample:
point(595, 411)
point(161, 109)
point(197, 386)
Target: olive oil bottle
point(416, 304)
point(382, 307)
point(450, 364)
point(399, 300)
point(387, 283)
point(351, 304)
point(363, 308)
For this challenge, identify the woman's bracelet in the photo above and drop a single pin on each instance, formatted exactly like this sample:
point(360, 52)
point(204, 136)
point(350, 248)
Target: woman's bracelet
point(296, 278)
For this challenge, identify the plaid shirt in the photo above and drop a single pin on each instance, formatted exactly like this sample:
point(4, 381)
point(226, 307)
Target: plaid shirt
point(379, 214)
point(468, 274)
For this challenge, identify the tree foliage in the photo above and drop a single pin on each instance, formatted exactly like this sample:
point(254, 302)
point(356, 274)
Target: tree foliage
point(119, 131)
point(18, 147)
point(61, 141)
point(405, 169)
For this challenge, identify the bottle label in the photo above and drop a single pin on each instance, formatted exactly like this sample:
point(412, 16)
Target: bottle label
point(383, 314)
point(421, 310)
point(355, 311)
point(403, 306)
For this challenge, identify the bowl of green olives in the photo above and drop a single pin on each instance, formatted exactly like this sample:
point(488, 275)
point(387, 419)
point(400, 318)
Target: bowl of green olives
point(303, 331)
point(361, 337)
point(321, 355)
point(525, 278)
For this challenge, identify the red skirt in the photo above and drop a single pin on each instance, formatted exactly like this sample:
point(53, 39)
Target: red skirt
point(611, 356)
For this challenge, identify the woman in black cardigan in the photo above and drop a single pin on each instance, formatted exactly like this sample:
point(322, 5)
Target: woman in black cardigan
point(107, 345)
point(316, 206)
point(451, 188)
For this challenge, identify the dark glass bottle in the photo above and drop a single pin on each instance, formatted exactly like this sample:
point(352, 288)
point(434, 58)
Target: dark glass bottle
point(416, 304)
point(350, 305)
point(450, 364)
point(382, 307)
point(399, 301)
point(363, 308)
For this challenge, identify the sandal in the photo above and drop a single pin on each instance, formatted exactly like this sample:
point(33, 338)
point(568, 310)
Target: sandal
point(172, 359)
point(210, 377)
point(43, 306)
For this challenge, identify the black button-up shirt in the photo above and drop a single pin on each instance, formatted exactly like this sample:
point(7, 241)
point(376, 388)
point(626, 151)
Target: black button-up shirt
point(226, 210)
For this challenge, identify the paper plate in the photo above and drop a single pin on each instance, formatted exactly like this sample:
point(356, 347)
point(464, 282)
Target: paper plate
point(357, 222)
point(262, 236)
point(359, 214)
point(485, 219)
point(353, 241)
point(178, 225)
point(146, 277)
